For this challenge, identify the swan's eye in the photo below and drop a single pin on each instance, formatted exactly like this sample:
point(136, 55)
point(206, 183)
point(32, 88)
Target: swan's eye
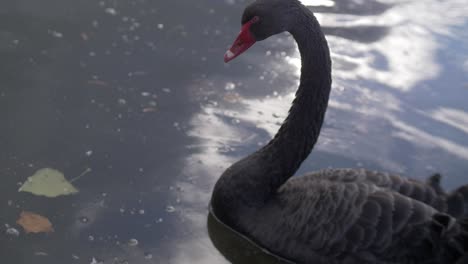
point(250, 20)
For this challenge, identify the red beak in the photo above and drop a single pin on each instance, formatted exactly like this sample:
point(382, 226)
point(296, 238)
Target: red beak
point(244, 41)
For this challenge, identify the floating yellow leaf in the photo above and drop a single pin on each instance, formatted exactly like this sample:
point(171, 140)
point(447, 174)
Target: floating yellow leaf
point(34, 223)
point(48, 182)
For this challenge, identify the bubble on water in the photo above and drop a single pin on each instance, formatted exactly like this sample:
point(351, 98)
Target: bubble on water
point(141, 211)
point(90, 238)
point(145, 94)
point(89, 153)
point(122, 210)
point(55, 34)
point(148, 255)
point(159, 220)
point(11, 231)
point(96, 261)
point(110, 11)
point(261, 77)
point(268, 53)
point(84, 219)
point(235, 121)
point(160, 26)
point(132, 242)
point(122, 101)
point(229, 86)
point(166, 90)
point(170, 209)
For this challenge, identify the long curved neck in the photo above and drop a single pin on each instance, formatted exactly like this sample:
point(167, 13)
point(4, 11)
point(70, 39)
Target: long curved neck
point(297, 136)
point(255, 179)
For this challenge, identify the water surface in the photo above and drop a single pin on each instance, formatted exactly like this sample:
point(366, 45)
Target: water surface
point(138, 92)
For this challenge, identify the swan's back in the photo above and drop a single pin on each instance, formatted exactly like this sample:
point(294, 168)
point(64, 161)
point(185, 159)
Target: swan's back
point(353, 216)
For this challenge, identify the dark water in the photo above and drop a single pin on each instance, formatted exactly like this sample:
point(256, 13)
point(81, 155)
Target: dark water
point(138, 92)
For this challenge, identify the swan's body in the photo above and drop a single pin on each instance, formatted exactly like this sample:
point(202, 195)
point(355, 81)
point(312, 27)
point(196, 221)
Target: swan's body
point(330, 216)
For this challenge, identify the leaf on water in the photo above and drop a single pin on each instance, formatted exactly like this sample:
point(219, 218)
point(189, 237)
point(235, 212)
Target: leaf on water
point(48, 182)
point(34, 223)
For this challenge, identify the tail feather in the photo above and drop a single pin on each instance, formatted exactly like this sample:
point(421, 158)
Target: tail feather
point(457, 202)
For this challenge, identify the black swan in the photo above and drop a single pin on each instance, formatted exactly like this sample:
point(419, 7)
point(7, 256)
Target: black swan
point(333, 215)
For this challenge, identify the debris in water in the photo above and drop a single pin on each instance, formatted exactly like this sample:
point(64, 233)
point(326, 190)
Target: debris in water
point(84, 36)
point(81, 175)
point(149, 109)
point(34, 223)
point(48, 182)
point(232, 97)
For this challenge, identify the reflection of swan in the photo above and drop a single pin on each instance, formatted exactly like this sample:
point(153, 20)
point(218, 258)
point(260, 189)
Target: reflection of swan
point(331, 216)
point(237, 249)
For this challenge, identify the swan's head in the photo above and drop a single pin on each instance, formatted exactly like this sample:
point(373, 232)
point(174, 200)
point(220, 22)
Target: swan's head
point(262, 19)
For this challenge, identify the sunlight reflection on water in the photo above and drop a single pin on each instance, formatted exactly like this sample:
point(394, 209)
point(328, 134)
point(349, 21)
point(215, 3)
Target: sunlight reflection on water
point(397, 63)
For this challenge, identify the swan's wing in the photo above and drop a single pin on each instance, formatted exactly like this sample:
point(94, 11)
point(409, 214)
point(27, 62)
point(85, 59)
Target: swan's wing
point(429, 192)
point(346, 219)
